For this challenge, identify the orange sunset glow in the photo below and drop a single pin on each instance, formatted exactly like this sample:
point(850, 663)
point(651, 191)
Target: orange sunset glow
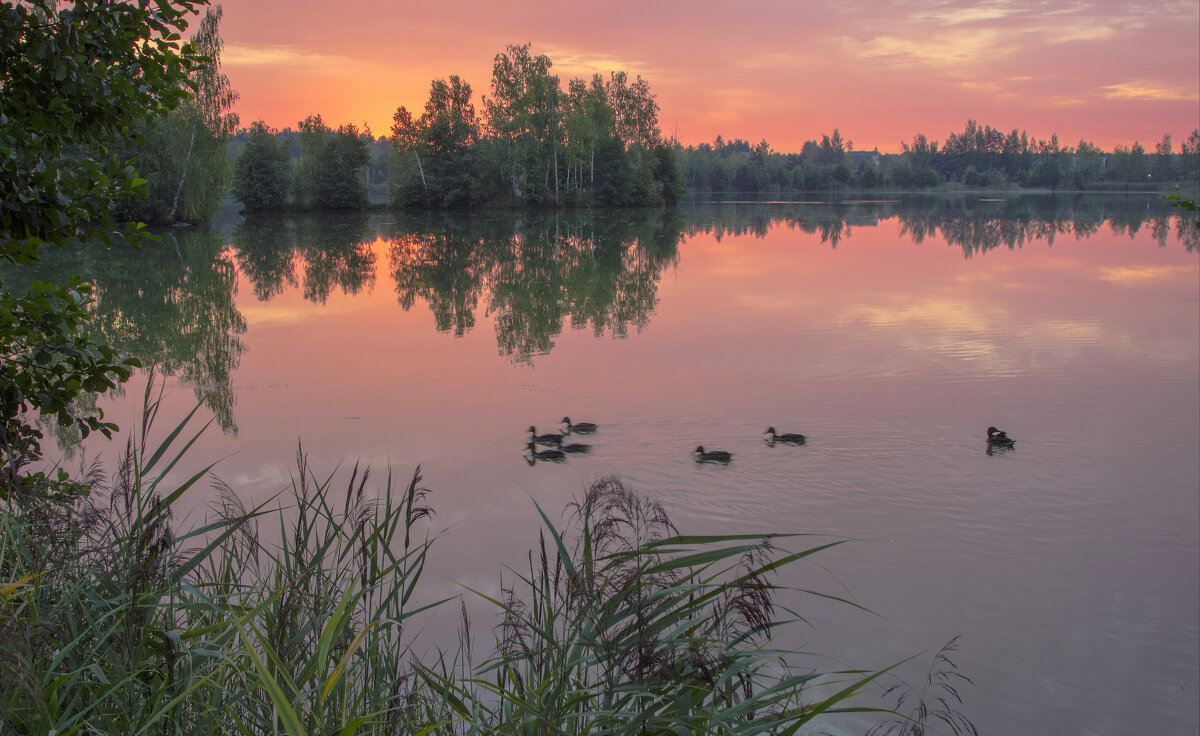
point(1108, 72)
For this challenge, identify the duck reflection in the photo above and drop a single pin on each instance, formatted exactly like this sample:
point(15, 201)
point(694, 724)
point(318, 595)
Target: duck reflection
point(534, 454)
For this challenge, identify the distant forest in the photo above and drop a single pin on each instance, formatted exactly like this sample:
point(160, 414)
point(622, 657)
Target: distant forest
point(978, 157)
point(417, 168)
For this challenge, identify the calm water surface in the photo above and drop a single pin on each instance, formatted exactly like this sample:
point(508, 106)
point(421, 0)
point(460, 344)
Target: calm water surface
point(892, 333)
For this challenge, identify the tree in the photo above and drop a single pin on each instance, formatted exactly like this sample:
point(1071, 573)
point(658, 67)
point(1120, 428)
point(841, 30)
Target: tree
point(340, 157)
point(209, 120)
point(75, 83)
point(183, 155)
point(589, 120)
point(635, 111)
point(445, 133)
point(311, 135)
point(1164, 165)
point(407, 136)
point(1129, 164)
point(523, 115)
point(1089, 163)
point(262, 172)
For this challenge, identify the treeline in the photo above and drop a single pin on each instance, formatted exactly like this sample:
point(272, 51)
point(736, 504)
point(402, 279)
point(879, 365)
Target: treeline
point(977, 157)
point(595, 142)
point(536, 145)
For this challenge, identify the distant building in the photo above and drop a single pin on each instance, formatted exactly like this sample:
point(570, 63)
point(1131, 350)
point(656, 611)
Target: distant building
point(857, 157)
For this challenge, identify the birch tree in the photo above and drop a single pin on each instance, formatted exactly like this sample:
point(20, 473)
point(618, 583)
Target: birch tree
point(209, 122)
point(523, 116)
point(445, 135)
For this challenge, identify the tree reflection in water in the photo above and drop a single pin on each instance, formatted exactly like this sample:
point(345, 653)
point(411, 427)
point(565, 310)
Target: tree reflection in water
point(333, 250)
point(172, 304)
point(537, 271)
point(976, 222)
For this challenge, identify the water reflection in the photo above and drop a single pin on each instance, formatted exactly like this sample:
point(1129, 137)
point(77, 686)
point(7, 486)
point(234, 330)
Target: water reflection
point(331, 250)
point(975, 224)
point(892, 356)
point(173, 303)
point(537, 271)
point(170, 304)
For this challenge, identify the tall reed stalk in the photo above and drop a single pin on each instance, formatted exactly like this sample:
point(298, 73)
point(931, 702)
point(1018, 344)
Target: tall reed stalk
point(114, 621)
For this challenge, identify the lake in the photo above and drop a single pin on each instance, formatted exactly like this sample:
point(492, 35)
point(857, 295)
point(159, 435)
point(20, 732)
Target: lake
point(892, 333)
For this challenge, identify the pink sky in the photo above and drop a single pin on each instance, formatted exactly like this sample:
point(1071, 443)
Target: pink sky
point(786, 71)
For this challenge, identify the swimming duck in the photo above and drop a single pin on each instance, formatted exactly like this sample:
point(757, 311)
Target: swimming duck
point(544, 454)
point(576, 447)
point(545, 439)
point(719, 456)
point(582, 427)
point(999, 439)
point(795, 439)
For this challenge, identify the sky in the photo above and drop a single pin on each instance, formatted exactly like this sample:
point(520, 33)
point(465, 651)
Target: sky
point(1107, 71)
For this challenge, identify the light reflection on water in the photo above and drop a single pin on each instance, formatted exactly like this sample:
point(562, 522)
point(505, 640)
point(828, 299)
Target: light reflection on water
point(891, 335)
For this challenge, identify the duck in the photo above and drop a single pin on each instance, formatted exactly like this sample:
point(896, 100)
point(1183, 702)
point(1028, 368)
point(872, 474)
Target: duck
point(576, 447)
point(997, 438)
point(537, 454)
point(795, 439)
point(581, 428)
point(545, 439)
point(719, 456)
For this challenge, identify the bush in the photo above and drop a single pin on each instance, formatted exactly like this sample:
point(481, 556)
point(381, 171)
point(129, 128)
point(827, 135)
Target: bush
point(262, 173)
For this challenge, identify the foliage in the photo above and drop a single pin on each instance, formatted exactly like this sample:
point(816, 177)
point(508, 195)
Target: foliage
point(183, 154)
point(441, 143)
point(262, 172)
point(118, 621)
point(329, 175)
point(77, 83)
point(621, 625)
point(978, 157)
point(1184, 204)
point(523, 117)
point(597, 143)
point(49, 358)
point(171, 307)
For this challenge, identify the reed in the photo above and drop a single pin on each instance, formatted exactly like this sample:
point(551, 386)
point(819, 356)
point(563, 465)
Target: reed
point(292, 617)
point(937, 701)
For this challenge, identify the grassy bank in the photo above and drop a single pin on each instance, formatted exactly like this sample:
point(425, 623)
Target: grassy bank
point(116, 621)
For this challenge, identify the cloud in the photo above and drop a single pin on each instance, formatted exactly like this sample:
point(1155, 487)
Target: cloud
point(775, 60)
point(951, 49)
point(575, 62)
point(234, 55)
point(1148, 90)
point(959, 16)
point(1085, 30)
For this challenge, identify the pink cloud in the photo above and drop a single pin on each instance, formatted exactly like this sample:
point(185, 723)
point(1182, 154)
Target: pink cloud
point(783, 71)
